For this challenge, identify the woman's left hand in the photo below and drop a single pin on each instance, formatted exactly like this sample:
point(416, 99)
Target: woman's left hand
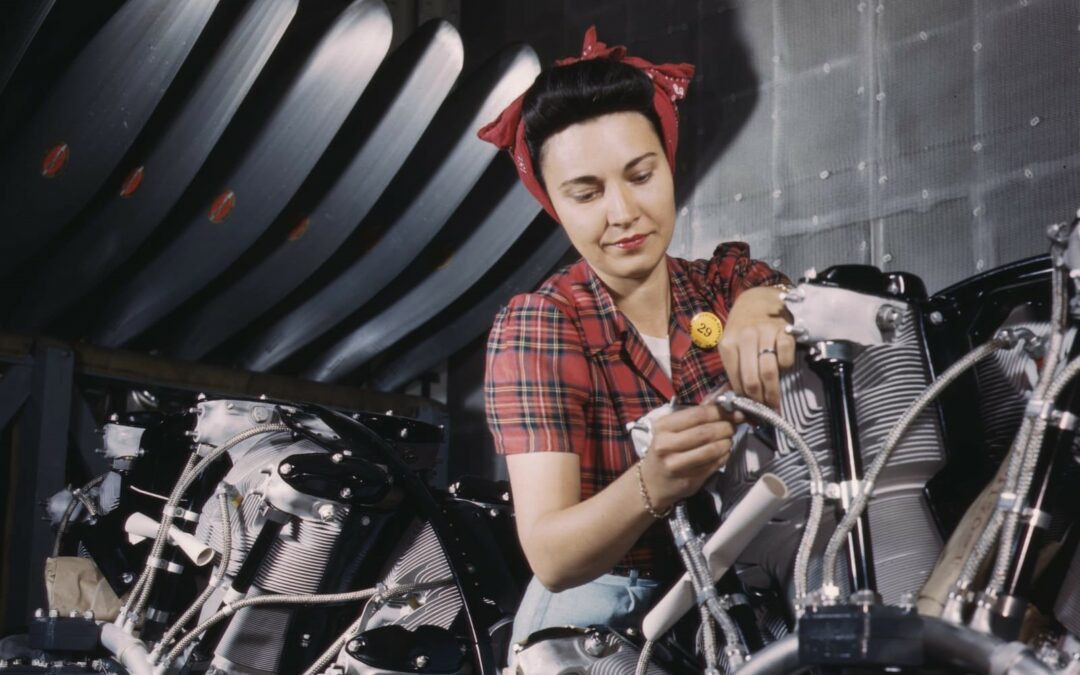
point(756, 346)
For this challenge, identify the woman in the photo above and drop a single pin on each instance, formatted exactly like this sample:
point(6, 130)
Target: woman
point(606, 340)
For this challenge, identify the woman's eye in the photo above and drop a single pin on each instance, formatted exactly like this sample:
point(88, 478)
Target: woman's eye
point(642, 177)
point(583, 197)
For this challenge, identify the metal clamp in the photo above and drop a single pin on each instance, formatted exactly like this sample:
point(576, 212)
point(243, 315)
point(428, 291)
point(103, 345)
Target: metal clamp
point(1040, 408)
point(1006, 501)
point(182, 513)
point(1066, 421)
point(1037, 518)
point(162, 564)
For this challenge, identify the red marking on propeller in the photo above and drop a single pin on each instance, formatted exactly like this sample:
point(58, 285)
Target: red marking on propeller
point(132, 182)
point(54, 160)
point(222, 206)
point(300, 229)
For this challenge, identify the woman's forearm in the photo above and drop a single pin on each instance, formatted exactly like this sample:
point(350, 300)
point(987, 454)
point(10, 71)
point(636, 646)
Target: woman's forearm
point(574, 545)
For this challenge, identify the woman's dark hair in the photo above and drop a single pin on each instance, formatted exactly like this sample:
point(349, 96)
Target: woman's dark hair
point(577, 92)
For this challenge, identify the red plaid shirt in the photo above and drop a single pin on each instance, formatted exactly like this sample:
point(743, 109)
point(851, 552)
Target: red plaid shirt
point(566, 371)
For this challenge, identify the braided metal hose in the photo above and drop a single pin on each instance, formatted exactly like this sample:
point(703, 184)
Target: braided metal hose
point(643, 659)
point(186, 479)
point(298, 599)
point(61, 527)
point(1063, 379)
point(223, 566)
point(701, 579)
point(869, 482)
point(1028, 454)
point(730, 401)
point(331, 652)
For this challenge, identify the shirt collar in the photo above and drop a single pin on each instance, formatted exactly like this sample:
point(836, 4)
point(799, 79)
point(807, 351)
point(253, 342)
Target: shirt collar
point(603, 324)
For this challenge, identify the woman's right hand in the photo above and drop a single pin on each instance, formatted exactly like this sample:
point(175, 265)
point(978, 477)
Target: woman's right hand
point(688, 446)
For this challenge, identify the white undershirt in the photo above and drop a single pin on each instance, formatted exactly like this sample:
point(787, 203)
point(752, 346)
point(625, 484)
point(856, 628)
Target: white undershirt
point(661, 351)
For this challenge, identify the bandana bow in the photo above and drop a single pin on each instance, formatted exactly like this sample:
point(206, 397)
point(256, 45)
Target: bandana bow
point(669, 80)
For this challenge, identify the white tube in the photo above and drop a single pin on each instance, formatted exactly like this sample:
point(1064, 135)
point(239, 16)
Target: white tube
point(128, 650)
point(723, 547)
point(140, 527)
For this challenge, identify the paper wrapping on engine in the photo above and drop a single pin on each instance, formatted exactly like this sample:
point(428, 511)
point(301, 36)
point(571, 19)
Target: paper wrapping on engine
point(73, 583)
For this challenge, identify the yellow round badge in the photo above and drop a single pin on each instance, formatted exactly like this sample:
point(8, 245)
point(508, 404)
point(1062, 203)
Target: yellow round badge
point(706, 330)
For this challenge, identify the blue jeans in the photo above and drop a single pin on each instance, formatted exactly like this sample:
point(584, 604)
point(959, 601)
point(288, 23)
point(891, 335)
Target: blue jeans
point(608, 600)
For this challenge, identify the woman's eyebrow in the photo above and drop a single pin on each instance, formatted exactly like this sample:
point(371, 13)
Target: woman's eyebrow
point(592, 180)
point(631, 163)
point(580, 180)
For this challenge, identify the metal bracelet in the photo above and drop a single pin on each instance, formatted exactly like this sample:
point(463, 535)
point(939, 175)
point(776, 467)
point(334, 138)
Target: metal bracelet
point(645, 497)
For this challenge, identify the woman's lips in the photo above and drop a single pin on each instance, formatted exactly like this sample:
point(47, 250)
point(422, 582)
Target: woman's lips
point(630, 243)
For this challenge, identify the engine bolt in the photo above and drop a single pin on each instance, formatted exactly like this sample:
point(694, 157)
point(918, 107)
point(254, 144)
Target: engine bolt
point(937, 318)
point(887, 317)
point(355, 645)
point(337, 457)
point(404, 433)
point(285, 469)
point(39, 613)
point(594, 644)
point(345, 493)
point(325, 512)
point(127, 577)
point(421, 661)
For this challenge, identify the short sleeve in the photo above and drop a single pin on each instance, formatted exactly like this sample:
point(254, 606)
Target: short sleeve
point(732, 271)
point(536, 380)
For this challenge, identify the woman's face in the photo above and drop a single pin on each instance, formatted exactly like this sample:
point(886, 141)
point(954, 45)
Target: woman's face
point(610, 183)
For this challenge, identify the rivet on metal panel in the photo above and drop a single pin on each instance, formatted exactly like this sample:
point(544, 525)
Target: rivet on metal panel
point(976, 47)
point(827, 68)
point(738, 196)
point(132, 182)
point(924, 36)
point(880, 96)
point(685, 211)
point(222, 206)
point(55, 159)
point(776, 262)
point(979, 264)
point(862, 166)
point(861, 6)
point(880, 8)
point(824, 174)
point(776, 193)
point(882, 179)
point(886, 257)
point(814, 220)
point(926, 194)
point(977, 147)
point(1034, 121)
point(977, 211)
point(1028, 173)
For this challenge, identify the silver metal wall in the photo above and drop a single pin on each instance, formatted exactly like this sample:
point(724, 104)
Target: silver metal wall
point(933, 137)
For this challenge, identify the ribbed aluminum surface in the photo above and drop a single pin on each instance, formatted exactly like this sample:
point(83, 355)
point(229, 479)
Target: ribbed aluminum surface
point(420, 559)
point(886, 380)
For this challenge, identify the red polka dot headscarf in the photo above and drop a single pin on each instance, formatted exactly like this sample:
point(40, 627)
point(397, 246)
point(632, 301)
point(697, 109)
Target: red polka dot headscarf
point(670, 81)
